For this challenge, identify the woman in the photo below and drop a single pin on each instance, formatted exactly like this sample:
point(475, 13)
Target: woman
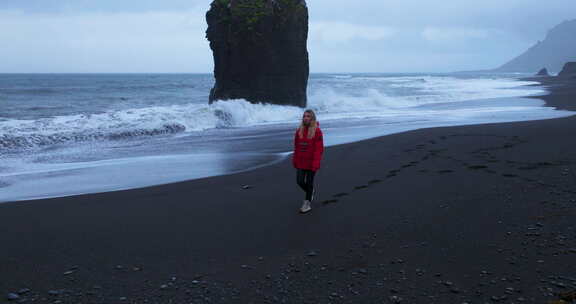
point(308, 150)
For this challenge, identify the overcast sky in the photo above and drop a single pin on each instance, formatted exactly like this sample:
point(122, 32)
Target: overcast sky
point(345, 36)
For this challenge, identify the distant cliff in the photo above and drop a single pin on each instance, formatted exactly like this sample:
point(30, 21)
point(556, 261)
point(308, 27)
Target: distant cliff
point(260, 50)
point(558, 47)
point(569, 70)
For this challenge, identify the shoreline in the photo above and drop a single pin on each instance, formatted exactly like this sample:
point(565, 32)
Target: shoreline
point(178, 178)
point(477, 213)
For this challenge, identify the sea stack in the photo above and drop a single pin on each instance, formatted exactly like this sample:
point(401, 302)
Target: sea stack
point(543, 72)
point(260, 50)
point(568, 70)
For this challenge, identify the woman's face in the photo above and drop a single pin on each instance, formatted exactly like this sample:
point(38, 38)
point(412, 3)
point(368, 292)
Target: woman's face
point(306, 118)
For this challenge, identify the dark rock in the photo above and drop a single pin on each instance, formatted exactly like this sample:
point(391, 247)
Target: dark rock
point(53, 292)
point(543, 72)
point(498, 299)
point(558, 284)
point(312, 253)
point(12, 296)
point(568, 70)
point(23, 291)
point(260, 50)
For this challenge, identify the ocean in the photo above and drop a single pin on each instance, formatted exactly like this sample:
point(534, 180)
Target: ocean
point(67, 134)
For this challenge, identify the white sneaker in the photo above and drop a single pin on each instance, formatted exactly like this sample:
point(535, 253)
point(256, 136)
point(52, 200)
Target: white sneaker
point(305, 207)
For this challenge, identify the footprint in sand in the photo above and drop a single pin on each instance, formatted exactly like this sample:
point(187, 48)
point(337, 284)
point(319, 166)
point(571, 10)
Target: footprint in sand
point(341, 194)
point(445, 171)
point(476, 167)
point(332, 201)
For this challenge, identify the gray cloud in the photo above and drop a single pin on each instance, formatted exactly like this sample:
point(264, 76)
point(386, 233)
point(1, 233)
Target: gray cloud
point(345, 36)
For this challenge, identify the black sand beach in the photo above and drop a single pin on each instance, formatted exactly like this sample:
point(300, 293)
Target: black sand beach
point(472, 214)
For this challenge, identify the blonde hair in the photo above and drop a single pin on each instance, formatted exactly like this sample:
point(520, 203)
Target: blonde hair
point(311, 128)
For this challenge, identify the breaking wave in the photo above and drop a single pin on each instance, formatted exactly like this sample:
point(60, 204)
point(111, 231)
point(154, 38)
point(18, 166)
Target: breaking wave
point(330, 103)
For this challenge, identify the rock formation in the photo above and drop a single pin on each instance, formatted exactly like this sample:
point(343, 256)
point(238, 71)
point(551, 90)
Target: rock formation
point(260, 50)
point(558, 47)
point(568, 70)
point(543, 72)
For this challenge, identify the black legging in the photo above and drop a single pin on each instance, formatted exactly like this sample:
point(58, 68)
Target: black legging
point(305, 179)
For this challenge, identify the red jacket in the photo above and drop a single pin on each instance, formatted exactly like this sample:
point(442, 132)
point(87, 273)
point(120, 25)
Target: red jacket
point(308, 151)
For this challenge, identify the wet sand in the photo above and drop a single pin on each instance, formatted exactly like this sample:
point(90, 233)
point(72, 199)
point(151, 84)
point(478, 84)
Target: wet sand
point(469, 214)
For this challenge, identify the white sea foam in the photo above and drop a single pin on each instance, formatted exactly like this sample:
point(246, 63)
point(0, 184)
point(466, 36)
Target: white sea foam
point(193, 139)
point(192, 117)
